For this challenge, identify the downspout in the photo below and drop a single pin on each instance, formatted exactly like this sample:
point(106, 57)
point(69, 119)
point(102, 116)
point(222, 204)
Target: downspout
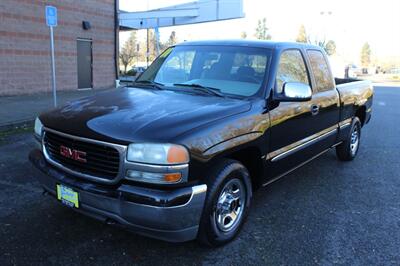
point(116, 41)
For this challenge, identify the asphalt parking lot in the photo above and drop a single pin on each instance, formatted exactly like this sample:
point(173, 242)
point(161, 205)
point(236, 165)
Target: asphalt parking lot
point(327, 212)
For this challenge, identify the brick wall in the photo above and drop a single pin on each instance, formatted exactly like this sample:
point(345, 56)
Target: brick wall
point(25, 44)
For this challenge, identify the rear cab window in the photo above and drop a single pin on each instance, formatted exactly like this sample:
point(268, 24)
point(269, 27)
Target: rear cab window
point(320, 69)
point(291, 68)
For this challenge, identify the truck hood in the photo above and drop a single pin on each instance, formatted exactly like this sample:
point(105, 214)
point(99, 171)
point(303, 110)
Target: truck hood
point(140, 115)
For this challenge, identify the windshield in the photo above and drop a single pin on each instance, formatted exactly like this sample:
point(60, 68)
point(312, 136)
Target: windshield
point(232, 70)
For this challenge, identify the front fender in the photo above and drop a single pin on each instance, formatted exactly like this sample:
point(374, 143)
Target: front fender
point(231, 143)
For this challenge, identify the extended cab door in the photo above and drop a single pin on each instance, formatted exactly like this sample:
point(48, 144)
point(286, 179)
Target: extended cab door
point(298, 129)
point(325, 100)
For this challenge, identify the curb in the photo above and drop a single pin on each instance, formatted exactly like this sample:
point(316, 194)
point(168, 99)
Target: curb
point(17, 124)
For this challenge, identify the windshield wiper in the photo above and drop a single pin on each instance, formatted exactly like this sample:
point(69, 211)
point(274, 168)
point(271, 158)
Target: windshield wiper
point(153, 84)
point(206, 89)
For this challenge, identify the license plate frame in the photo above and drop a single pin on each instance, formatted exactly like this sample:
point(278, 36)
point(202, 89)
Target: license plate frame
point(67, 196)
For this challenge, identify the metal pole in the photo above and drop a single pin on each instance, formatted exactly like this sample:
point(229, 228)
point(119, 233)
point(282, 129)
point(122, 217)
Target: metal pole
point(53, 67)
point(147, 39)
point(157, 33)
point(157, 41)
point(148, 48)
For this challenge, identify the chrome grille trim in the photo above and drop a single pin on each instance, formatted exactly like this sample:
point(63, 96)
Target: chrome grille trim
point(120, 148)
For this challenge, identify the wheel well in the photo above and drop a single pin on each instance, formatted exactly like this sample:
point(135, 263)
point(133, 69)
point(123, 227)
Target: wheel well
point(361, 114)
point(251, 158)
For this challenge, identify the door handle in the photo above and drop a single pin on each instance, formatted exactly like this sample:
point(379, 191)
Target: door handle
point(314, 109)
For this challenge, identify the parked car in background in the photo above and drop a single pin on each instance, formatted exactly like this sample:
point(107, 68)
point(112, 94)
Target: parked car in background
point(135, 71)
point(395, 71)
point(132, 74)
point(177, 155)
point(352, 71)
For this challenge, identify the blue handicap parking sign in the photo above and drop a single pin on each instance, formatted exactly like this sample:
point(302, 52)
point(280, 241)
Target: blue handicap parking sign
point(51, 16)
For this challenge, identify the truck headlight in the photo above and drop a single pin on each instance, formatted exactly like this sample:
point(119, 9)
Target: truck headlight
point(38, 127)
point(157, 163)
point(151, 153)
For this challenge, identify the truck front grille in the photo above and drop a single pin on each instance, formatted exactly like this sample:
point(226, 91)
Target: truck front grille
point(99, 161)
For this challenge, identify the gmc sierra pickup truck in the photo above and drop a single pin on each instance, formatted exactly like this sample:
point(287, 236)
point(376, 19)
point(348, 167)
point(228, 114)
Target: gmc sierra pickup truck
point(177, 155)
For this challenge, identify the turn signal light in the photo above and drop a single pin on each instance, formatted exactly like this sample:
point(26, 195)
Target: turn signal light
point(177, 154)
point(172, 177)
point(157, 178)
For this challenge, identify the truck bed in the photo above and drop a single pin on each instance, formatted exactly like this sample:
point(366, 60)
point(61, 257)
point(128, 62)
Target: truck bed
point(354, 94)
point(343, 84)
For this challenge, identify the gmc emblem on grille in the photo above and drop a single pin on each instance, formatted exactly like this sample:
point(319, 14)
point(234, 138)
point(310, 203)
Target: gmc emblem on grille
point(76, 155)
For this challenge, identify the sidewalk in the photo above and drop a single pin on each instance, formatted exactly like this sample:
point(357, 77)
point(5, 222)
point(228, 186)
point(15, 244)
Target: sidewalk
point(15, 110)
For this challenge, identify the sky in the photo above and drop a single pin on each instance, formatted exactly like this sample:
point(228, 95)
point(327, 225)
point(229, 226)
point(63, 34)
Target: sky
point(350, 23)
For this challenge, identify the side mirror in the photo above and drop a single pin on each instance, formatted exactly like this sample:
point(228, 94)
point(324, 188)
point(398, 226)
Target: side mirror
point(295, 92)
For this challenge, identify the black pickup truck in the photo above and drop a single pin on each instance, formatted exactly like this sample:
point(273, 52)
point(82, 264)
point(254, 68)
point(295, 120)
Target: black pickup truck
point(177, 155)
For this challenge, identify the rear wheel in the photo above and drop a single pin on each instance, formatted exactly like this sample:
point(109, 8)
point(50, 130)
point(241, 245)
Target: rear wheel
point(227, 203)
point(348, 149)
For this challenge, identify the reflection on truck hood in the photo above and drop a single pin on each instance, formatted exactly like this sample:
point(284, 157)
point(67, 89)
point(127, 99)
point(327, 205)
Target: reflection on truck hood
point(138, 115)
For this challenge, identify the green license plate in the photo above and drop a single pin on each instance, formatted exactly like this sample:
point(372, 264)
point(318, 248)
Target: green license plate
point(67, 196)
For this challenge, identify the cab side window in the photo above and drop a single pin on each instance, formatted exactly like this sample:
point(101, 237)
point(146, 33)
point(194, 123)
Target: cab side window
point(292, 68)
point(320, 69)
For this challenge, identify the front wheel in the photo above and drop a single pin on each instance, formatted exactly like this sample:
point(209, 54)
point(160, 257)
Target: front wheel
point(348, 149)
point(227, 203)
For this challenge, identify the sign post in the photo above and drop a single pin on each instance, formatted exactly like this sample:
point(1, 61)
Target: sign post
point(51, 21)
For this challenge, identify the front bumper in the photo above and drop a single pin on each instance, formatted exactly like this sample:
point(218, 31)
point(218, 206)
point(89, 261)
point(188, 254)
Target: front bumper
point(172, 215)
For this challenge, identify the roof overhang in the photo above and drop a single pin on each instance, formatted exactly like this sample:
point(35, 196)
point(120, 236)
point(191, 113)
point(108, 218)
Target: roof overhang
point(183, 14)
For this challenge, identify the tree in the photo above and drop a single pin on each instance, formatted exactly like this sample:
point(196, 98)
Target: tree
point(152, 45)
point(128, 51)
point(302, 35)
point(243, 35)
point(172, 40)
point(262, 30)
point(329, 46)
point(365, 55)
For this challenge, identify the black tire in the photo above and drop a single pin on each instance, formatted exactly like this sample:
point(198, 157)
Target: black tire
point(225, 174)
point(346, 151)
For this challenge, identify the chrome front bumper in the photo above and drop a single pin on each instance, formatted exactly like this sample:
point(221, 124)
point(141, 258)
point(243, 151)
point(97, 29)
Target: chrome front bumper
point(171, 215)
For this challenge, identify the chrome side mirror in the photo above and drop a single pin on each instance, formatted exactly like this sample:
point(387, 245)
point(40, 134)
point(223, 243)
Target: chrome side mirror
point(296, 92)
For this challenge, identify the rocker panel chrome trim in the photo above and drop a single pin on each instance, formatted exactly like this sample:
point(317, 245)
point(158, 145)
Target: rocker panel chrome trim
point(301, 144)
